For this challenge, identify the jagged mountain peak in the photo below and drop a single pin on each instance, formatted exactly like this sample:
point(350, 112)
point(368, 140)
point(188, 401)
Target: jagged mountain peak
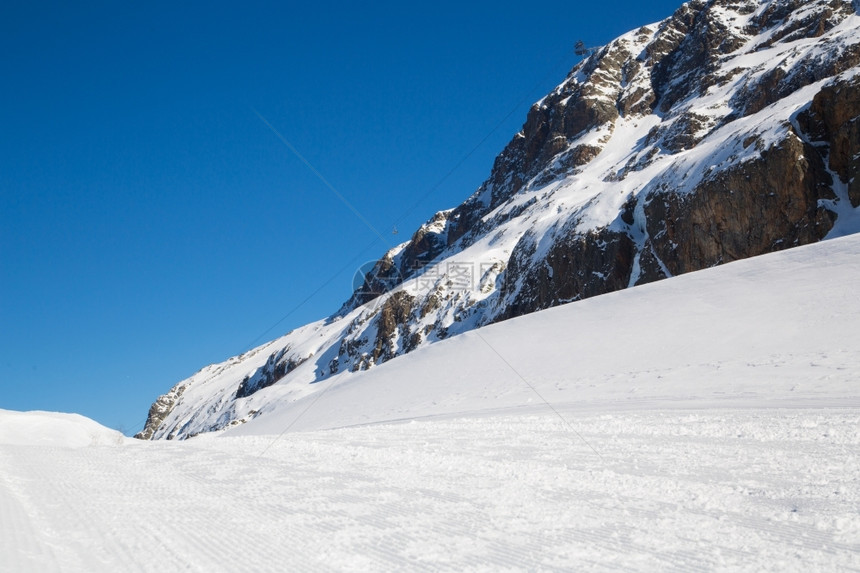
point(728, 130)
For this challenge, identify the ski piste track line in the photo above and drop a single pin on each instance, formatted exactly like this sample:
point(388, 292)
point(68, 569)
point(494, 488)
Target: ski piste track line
point(20, 543)
point(99, 548)
point(680, 491)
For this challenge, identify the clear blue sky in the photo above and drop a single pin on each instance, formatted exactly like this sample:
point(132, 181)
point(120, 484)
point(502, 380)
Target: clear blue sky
point(151, 223)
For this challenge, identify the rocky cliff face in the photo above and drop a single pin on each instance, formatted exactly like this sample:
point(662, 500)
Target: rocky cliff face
point(726, 131)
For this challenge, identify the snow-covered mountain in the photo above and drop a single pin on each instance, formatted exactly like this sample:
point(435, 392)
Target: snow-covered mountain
point(726, 131)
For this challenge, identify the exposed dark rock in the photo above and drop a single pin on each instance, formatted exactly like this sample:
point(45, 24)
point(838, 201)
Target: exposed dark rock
point(783, 81)
point(776, 13)
point(426, 244)
point(159, 411)
point(380, 279)
point(467, 217)
point(650, 267)
point(810, 25)
point(684, 133)
point(833, 119)
point(688, 53)
point(554, 123)
point(393, 320)
point(276, 367)
point(756, 207)
point(577, 266)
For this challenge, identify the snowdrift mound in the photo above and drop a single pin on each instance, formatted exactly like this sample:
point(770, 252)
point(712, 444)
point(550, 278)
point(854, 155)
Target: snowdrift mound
point(54, 429)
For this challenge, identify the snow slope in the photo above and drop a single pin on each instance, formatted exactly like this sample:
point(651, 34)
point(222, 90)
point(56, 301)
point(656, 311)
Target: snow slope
point(725, 436)
point(773, 330)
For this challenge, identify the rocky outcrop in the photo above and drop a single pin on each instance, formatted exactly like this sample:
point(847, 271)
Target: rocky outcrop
point(393, 325)
point(693, 41)
point(794, 21)
point(276, 368)
point(759, 206)
point(382, 277)
point(832, 122)
point(576, 266)
point(159, 410)
point(428, 242)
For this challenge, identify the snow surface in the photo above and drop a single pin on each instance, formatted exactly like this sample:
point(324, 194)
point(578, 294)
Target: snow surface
point(706, 422)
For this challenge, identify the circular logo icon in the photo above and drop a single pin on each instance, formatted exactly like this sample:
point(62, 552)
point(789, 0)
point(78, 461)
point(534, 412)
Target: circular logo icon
point(373, 279)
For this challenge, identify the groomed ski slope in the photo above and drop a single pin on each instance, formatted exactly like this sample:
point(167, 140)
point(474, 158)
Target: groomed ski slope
point(707, 422)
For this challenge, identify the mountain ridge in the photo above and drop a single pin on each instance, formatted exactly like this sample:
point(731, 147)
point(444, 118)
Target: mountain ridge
point(726, 131)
